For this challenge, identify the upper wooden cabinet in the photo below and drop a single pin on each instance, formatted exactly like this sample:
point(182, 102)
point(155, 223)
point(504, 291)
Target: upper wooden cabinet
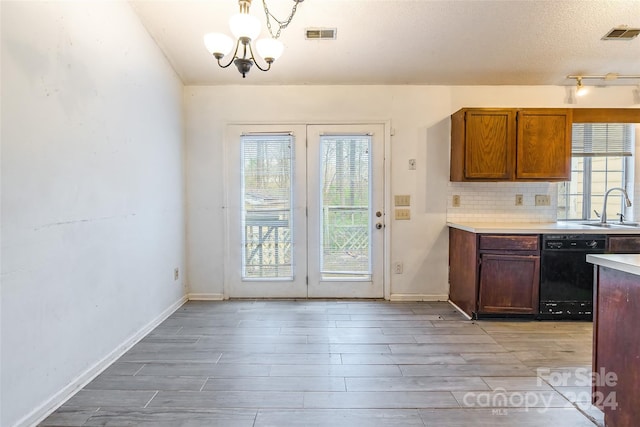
point(543, 146)
point(485, 144)
point(506, 144)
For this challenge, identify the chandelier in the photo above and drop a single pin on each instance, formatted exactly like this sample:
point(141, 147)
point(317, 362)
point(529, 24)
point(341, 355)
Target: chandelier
point(245, 28)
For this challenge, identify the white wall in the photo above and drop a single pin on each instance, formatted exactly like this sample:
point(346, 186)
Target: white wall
point(92, 194)
point(420, 132)
point(420, 117)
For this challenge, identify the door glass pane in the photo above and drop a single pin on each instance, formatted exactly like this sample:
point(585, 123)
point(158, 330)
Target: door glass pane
point(345, 228)
point(267, 214)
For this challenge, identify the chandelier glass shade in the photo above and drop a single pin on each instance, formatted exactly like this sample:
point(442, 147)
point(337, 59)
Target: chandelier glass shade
point(218, 43)
point(246, 28)
point(270, 48)
point(244, 25)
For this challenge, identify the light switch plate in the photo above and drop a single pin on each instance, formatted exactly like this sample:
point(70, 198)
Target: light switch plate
point(402, 200)
point(403, 214)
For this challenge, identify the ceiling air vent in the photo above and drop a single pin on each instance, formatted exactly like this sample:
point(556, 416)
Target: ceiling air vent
point(622, 33)
point(320, 33)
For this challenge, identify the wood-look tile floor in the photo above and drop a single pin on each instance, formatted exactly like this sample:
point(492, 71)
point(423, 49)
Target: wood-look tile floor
point(342, 363)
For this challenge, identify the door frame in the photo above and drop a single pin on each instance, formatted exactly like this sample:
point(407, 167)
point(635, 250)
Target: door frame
point(388, 207)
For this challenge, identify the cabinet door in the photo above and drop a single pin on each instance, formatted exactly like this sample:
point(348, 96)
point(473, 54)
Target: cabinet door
point(509, 284)
point(543, 150)
point(489, 144)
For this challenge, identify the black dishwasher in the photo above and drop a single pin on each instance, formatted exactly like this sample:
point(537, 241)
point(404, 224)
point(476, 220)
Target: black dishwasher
point(566, 279)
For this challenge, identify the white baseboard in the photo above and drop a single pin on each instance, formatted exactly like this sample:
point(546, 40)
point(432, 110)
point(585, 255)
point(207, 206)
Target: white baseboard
point(418, 297)
point(205, 297)
point(47, 408)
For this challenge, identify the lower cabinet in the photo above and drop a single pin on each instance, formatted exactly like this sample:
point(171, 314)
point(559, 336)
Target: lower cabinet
point(498, 275)
point(494, 274)
point(509, 284)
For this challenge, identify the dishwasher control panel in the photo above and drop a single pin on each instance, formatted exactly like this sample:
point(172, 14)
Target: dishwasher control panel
point(578, 242)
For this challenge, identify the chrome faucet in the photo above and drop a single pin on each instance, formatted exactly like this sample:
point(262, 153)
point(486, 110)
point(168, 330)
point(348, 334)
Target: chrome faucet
point(627, 202)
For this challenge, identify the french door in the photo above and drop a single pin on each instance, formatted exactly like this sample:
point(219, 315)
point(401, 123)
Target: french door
point(305, 211)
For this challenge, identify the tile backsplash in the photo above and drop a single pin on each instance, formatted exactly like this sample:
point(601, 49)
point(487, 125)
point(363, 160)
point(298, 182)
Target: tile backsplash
point(495, 202)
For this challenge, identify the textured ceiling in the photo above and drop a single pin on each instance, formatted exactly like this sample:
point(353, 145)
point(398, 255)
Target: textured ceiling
point(448, 42)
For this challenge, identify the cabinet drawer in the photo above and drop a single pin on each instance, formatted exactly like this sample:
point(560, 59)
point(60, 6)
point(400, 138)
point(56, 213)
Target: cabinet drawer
point(623, 244)
point(509, 242)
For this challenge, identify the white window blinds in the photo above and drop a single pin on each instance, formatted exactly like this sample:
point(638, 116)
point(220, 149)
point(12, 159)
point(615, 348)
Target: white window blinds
point(602, 139)
point(267, 214)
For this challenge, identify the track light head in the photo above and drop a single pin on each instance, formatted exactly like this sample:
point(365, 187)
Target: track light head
point(580, 88)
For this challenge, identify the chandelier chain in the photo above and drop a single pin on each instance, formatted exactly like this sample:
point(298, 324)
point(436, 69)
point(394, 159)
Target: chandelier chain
point(281, 24)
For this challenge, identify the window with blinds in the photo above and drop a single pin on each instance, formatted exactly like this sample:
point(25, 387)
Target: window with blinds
point(602, 139)
point(345, 170)
point(267, 214)
point(601, 159)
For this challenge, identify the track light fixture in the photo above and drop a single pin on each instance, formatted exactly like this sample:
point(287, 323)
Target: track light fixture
point(246, 28)
point(581, 89)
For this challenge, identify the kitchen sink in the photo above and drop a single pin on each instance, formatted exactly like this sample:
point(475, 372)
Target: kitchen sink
point(597, 224)
point(612, 224)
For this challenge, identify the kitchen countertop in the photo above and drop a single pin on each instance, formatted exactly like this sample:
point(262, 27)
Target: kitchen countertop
point(629, 263)
point(572, 227)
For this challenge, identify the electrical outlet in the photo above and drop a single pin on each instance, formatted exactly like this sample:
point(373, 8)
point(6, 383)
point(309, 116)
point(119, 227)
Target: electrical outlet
point(176, 273)
point(403, 214)
point(412, 164)
point(397, 267)
point(456, 201)
point(519, 200)
point(402, 200)
point(543, 200)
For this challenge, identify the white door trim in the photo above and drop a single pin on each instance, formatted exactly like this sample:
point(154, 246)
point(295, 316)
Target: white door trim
point(387, 193)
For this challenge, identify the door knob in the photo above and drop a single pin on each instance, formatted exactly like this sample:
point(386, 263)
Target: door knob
point(378, 225)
